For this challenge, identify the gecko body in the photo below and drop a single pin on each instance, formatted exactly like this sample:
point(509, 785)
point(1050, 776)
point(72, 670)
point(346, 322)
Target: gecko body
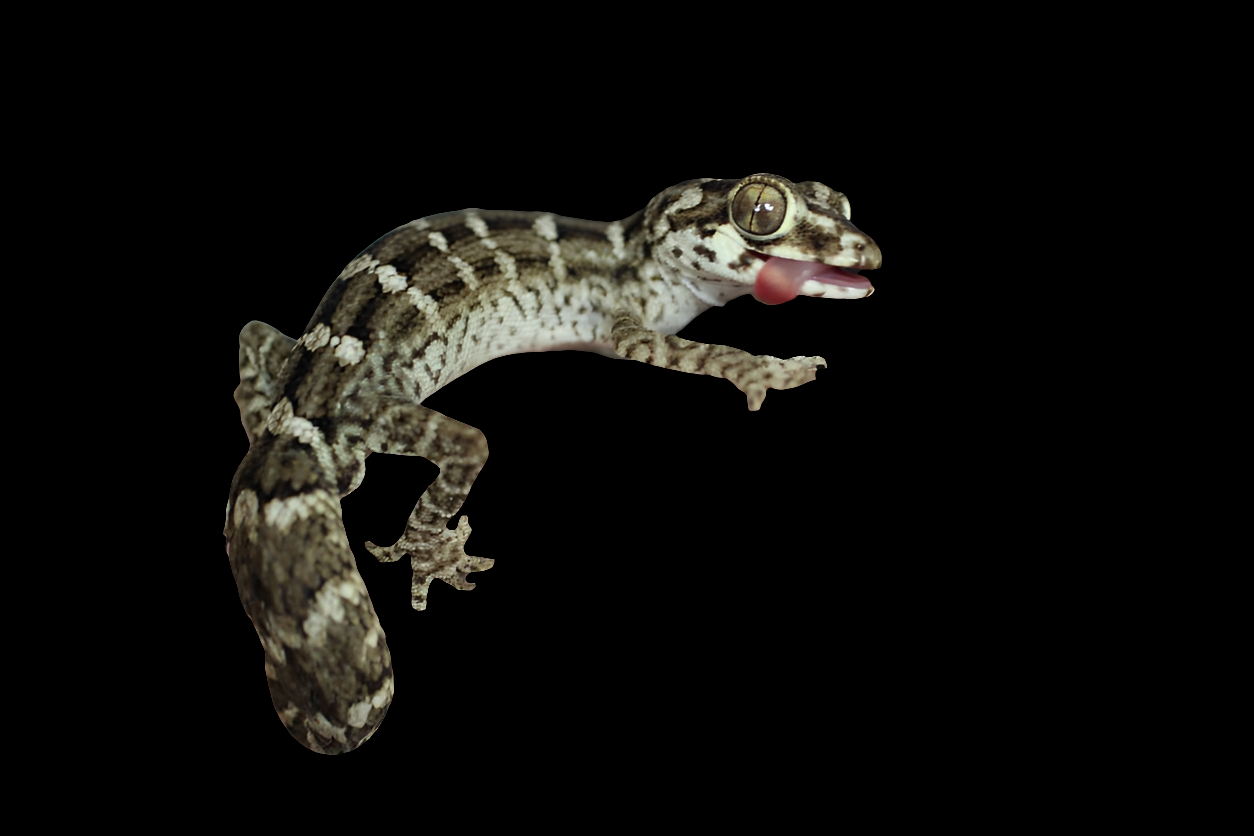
point(427, 303)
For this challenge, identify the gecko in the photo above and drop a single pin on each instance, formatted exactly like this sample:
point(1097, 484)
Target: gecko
point(425, 304)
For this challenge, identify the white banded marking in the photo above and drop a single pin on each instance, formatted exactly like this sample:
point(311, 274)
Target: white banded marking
point(389, 279)
point(464, 272)
point(476, 224)
point(546, 227)
point(614, 232)
point(690, 198)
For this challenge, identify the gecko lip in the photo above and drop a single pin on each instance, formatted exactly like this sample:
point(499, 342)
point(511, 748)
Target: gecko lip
point(857, 271)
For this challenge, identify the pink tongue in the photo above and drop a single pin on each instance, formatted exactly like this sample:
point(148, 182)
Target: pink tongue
point(780, 279)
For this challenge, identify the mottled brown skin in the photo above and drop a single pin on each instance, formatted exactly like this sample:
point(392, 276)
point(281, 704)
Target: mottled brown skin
point(422, 305)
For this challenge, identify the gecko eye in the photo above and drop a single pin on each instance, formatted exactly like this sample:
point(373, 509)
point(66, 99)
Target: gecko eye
point(761, 209)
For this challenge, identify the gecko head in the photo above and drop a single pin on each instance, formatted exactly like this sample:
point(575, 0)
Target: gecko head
point(762, 234)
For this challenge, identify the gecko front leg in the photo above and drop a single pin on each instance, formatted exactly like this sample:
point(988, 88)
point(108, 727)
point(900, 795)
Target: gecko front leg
point(460, 451)
point(752, 374)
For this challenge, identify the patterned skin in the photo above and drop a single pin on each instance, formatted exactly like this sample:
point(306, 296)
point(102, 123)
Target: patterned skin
point(427, 303)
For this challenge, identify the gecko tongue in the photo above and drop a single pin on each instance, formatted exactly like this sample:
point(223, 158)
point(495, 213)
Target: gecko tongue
point(780, 279)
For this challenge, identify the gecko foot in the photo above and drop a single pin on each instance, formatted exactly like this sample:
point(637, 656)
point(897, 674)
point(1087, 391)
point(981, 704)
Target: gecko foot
point(440, 556)
point(774, 373)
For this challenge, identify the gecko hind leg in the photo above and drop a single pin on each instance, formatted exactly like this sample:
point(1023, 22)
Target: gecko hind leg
point(460, 451)
point(263, 350)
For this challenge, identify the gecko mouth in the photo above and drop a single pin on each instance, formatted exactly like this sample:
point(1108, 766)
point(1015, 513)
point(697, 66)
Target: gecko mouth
point(782, 279)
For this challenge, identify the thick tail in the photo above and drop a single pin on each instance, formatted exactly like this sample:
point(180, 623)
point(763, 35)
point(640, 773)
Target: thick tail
point(326, 658)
